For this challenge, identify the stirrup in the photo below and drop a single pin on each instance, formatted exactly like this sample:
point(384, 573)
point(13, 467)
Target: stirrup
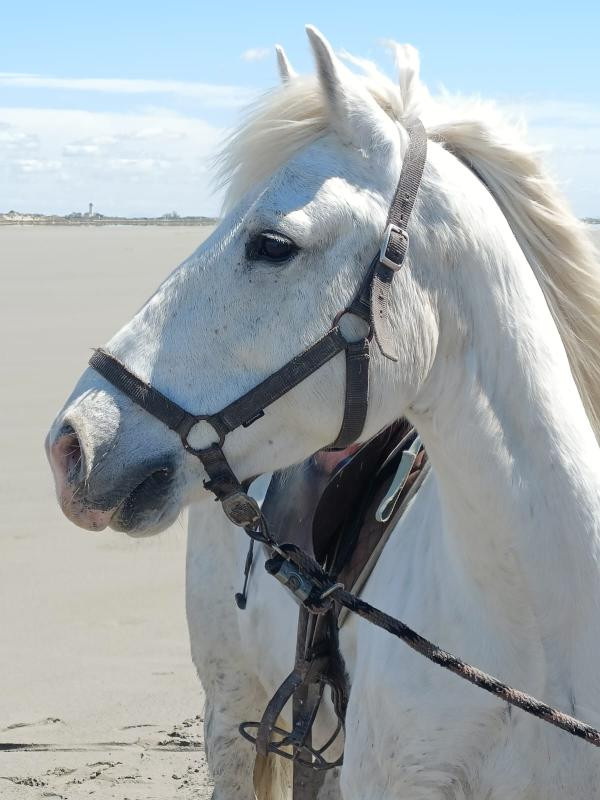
point(302, 676)
point(294, 740)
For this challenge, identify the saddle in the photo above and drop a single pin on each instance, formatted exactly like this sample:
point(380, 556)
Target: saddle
point(329, 509)
point(339, 507)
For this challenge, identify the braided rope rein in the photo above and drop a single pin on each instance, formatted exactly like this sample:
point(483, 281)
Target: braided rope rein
point(328, 591)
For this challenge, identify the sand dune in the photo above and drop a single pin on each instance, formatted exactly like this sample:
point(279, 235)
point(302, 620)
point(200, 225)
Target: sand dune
point(99, 696)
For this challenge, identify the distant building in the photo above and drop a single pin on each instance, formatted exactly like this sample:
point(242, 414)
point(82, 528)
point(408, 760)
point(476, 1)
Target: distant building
point(91, 210)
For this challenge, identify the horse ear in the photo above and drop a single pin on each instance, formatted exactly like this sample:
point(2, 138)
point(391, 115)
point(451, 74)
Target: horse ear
point(286, 71)
point(355, 115)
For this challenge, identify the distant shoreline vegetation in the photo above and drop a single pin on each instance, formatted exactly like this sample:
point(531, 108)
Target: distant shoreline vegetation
point(77, 218)
point(172, 218)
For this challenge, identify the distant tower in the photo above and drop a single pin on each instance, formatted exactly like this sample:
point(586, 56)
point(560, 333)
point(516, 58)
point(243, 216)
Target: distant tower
point(91, 211)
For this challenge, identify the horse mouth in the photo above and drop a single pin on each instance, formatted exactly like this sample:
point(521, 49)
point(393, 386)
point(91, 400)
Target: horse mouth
point(149, 508)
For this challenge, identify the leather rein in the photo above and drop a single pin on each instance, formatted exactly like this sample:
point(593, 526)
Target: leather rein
point(320, 594)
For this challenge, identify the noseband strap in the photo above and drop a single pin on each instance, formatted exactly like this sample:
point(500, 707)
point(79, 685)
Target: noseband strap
point(370, 306)
point(142, 393)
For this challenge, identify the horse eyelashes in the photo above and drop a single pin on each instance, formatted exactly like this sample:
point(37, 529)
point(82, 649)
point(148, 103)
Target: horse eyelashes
point(270, 246)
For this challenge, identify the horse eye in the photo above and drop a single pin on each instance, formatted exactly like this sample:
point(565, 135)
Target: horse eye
point(270, 246)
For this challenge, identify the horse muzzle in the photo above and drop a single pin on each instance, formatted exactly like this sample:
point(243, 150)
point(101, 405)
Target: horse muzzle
point(95, 492)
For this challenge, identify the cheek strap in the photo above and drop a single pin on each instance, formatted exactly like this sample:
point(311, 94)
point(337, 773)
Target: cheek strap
point(395, 242)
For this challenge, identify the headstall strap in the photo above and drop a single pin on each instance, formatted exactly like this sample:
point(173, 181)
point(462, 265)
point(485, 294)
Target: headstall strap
point(396, 240)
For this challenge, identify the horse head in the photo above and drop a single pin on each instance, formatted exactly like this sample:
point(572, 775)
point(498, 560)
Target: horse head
point(308, 202)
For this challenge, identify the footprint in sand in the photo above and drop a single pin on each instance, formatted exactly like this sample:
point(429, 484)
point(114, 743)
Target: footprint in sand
point(140, 725)
point(46, 721)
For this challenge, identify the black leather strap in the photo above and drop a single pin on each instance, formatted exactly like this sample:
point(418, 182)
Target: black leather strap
point(356, 401)
point(243, 411)
point(222, 482)
point(396, 238)
point(142, 393)
point(249, 407)
point(221, 479)
point(408, 183)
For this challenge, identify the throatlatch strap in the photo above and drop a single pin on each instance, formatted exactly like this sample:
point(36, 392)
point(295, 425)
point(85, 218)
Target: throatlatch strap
point(395, 245)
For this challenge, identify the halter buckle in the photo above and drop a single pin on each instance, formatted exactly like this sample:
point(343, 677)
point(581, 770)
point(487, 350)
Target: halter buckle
point(241, 509)
point(393, 263)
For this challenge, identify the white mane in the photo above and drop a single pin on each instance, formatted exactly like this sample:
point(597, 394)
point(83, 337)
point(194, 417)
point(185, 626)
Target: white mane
point(555, 243)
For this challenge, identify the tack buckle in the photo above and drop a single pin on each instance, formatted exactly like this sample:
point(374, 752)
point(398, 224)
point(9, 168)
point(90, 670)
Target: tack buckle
point(383, 256)
point(241, 509)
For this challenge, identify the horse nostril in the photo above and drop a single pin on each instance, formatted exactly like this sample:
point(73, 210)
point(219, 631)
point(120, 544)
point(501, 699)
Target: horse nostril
point(67, 455)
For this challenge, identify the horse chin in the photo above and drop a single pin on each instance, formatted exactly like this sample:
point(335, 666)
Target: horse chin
point(150, 524)
point(150, 508)
point(153, 505)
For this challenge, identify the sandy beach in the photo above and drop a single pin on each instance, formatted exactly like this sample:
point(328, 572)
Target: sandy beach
point(99, 695)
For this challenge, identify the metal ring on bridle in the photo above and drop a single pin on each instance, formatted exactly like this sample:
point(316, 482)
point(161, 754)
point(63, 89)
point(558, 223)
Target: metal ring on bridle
point(210, 420)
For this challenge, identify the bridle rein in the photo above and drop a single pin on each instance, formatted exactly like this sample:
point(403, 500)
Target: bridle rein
point(352, 332)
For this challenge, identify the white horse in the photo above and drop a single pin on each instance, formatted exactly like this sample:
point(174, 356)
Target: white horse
point(496, 312)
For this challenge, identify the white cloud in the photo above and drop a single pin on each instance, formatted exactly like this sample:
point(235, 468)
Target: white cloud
point(129, 164)
point(210, 94)
point(37, 164)
point(138, 166)
point(17, 140)
point(158, 133)
point(81, 149)
point(558, 113)
point(255, 54)
point(152, 161)
point(568, 136)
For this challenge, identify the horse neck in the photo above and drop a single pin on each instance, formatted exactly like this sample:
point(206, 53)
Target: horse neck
point(517, 465)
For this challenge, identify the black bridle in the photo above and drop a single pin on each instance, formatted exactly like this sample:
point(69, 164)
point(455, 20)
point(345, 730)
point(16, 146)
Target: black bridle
point(369, 309)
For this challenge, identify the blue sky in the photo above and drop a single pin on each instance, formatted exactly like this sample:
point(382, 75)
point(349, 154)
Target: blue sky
point(123, 103)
